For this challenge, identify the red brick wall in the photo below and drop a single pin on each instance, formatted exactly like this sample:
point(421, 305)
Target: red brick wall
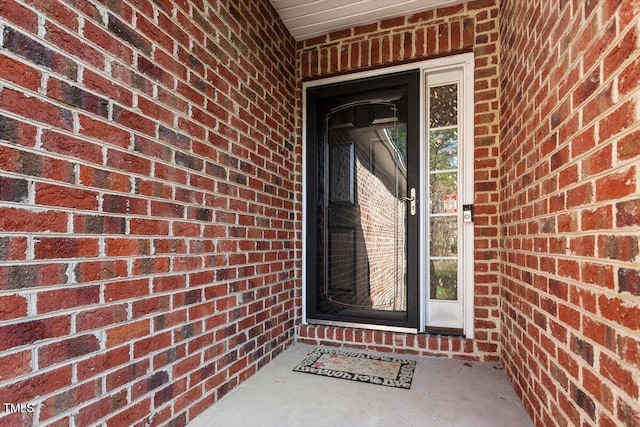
point(147, 184)
point(570, 209)
point(470, 26)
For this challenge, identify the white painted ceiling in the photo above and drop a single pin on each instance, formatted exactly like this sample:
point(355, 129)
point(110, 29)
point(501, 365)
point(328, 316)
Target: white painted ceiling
point(310, 18)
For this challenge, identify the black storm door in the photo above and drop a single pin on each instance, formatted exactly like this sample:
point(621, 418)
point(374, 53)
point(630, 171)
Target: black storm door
point(362, 186)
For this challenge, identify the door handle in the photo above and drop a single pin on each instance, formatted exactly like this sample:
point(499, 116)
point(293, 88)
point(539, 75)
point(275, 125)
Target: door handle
point(411, 200)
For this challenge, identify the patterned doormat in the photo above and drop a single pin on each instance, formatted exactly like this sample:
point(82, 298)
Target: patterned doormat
point(353, 366)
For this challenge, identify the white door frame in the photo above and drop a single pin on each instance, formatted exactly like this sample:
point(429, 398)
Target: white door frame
point(462, 65)
point(465, 62)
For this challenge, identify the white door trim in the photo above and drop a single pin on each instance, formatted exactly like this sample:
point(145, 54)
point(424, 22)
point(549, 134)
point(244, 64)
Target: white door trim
point(466, 61)
point(463, 64)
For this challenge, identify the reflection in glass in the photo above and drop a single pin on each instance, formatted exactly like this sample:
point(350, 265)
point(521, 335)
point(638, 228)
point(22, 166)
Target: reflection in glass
point(363, 222)
point(444, 190)
point(341, 275)
point(443, 101)
point(444, 236)
point(444, 279)
point(341, 172)
point(443, 149)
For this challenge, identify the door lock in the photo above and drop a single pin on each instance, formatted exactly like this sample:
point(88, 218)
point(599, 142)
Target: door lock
point(411, 200)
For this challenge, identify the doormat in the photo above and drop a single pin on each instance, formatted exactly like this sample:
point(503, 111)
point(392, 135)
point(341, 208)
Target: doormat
point(361, 367)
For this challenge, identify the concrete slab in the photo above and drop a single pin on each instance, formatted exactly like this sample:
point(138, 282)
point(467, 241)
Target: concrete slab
point(444, 392)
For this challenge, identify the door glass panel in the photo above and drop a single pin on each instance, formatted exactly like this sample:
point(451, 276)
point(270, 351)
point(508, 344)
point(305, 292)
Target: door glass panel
point(443, 149)
point(362, 219)
point(443, 191)
point(444, 237)
point(444, 279)
point(444, 105)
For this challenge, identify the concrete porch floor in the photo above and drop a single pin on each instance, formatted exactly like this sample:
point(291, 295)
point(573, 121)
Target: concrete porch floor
point(444, 392)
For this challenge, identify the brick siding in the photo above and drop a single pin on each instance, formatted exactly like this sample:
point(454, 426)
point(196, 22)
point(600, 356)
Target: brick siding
point(147, 197)
point(430, 34)
point(150, 201)
point(569, 209)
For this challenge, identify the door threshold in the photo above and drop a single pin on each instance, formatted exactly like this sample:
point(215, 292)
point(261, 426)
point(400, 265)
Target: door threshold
point(444, 331)
point(368, 326)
